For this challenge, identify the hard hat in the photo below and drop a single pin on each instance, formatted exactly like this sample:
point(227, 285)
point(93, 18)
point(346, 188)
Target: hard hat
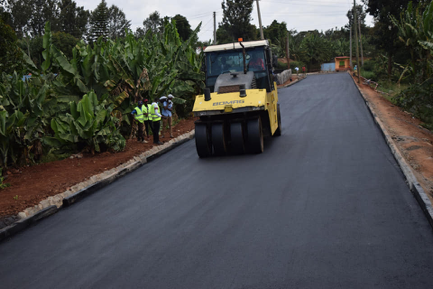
point(163, 97)
point(170, 96)
point(146, 100)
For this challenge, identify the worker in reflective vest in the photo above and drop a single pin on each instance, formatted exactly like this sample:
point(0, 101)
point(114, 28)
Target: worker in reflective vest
point(156, 119)
point(139, 117)
point(147, 117)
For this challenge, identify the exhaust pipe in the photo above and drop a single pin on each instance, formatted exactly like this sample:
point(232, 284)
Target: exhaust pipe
point(207, 94)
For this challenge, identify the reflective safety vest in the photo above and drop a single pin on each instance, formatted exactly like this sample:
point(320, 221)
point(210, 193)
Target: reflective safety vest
point(139, 114)
point(146, 109)
point(154, 116)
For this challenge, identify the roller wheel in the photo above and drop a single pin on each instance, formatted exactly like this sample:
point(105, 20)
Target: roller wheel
point(255, 136)
point(202, 140)
point(218, 139)
point(278, 131)
point(237, 136)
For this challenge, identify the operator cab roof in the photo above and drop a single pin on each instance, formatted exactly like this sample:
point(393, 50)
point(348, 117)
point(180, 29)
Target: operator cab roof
point(236, 45)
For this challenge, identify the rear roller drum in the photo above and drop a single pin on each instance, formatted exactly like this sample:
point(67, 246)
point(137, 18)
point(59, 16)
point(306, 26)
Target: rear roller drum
point(218, 139)
point(202, 140)
point(255, 140)
point(237, 136)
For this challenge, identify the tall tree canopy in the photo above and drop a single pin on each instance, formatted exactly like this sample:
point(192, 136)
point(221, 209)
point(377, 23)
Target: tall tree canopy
point(183, 27)
point(9, 52)
point(386, 34)
point(117, 22)
point(237, 19)
point(99, 22)
point(72, 19)
point(154, 22)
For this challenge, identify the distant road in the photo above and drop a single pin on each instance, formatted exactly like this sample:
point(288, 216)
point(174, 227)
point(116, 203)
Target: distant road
point(325, 206)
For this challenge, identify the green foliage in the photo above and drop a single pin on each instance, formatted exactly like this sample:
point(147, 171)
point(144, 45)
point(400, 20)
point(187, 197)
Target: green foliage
point(294, 64)
point(85, 102)
point(418, 99)
point(10, 56)
point(2, 184)
point(90, 122)
point(117, 23)
point(236, 21)
point(99, 22)
point(182, 26)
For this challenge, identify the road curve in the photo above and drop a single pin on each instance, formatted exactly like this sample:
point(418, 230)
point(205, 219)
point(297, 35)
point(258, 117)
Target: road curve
point(325, 206)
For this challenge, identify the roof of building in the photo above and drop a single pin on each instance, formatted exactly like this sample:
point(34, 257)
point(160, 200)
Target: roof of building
point(236, 45)
point(342, 57)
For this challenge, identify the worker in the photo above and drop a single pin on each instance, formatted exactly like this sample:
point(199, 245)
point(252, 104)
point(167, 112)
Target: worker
point(224, 65)
point(167, 108)
point(147, 118)
point(256, 62)
point(156, 122)
point(139, 117)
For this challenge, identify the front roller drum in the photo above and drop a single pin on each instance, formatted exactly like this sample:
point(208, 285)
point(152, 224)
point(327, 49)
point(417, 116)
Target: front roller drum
point(255, 139)
point(203, 142)
point(219, 139)
point(237, 137)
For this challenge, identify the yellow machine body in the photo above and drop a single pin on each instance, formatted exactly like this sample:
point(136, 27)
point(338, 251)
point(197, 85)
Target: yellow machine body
point(229, 103)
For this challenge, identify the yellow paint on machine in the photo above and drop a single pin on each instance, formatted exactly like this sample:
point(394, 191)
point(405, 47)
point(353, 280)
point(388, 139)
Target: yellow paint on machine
point(231, 101)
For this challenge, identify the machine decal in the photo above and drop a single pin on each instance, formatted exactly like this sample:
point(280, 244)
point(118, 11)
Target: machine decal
point(228, 102)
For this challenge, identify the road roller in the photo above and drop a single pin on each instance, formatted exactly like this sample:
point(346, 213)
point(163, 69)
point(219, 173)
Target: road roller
point(239, 106)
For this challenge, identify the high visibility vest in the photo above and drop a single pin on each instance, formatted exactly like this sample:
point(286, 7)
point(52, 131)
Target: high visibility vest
point(139, 115)
point(146, 109)
point(155, 117)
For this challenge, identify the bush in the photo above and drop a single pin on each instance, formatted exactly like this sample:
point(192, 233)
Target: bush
point(298, 64)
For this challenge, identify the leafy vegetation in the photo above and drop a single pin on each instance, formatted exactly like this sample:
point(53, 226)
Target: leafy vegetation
point(84, 102)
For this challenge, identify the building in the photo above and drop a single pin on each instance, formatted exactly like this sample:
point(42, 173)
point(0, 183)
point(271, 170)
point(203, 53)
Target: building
point(342, 63)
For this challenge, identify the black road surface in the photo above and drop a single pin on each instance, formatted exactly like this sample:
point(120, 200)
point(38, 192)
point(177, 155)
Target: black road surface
point(325, 206)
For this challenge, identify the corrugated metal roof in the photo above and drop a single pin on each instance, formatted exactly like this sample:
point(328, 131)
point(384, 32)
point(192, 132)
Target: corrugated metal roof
point(236, 45)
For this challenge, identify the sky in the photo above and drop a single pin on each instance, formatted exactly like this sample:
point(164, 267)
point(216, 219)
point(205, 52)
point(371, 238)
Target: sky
point(300, 15)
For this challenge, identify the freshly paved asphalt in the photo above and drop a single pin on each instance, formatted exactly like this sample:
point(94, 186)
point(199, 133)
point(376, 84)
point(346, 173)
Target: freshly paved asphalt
point(325, 206)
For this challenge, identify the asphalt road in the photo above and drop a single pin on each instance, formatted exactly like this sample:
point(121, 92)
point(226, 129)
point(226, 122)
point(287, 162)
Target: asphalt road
point(325, 206)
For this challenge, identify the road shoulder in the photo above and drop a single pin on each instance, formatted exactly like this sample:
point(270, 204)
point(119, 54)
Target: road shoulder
point(410, 143)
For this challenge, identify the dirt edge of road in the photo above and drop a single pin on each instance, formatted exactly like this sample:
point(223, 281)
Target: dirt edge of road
point(411, 144)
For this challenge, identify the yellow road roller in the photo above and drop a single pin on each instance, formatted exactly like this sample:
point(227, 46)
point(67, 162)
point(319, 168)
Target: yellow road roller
point(239, 106)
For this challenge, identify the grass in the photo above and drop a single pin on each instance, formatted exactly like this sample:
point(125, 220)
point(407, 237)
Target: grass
point(367, 74)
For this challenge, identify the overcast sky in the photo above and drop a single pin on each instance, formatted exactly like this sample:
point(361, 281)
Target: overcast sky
point(300, 15)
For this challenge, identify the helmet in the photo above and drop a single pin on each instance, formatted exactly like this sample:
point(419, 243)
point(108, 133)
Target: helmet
point(163, 98)
point(170, 96)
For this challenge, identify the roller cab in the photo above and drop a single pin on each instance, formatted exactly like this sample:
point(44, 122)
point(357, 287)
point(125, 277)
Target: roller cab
point(240, 104)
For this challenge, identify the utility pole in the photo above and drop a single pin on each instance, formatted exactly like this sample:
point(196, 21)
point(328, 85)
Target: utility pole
point(288, 50)
point(214, 28)
point(260, 21)
point(351, 63)
point(356, 41)
point(360, 41)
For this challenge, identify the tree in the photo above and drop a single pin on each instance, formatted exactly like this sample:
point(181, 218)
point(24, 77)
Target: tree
point(99, 22)
point(117, 23)
point(20, 12)
point(153, 23)
point(43, 11)
point(386, 34)
point(72, 19)
point(10, 55)
point(183, 27)
point(361, 15)
point(237, 18)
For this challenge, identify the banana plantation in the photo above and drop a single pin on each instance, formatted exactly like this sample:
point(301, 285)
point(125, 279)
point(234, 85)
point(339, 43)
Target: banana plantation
point(84, 103)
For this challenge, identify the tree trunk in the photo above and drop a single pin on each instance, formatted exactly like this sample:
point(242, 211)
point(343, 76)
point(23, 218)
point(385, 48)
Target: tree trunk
point(389, 65)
